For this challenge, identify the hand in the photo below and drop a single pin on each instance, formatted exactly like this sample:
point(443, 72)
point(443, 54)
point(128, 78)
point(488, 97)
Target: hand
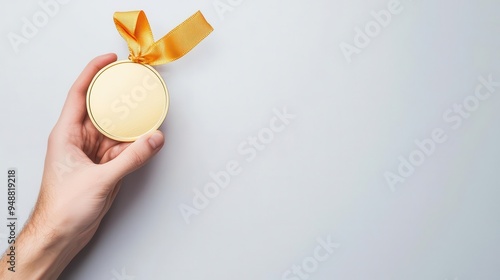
point(81, 178)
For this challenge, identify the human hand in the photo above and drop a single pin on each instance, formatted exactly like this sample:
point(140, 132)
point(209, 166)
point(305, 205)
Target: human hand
point(81, 178)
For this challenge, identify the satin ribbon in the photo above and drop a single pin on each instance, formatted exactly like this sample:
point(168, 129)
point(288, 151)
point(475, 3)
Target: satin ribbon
point(134, 28)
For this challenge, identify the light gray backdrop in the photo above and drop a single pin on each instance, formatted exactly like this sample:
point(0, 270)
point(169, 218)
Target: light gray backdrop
point(369, 94)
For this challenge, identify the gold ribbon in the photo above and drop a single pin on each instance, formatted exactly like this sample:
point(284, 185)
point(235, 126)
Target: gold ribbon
point(134, 28)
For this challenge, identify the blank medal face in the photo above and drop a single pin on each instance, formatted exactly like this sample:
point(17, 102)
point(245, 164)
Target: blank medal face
point(126, 100)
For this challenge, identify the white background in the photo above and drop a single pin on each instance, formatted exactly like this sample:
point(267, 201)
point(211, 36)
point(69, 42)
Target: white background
point(322, 176)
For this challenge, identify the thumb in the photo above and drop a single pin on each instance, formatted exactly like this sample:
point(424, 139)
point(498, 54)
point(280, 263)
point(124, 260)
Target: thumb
point(136, 155)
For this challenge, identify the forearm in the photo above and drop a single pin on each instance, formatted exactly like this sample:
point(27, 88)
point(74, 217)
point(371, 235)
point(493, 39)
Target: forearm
point(40, 253)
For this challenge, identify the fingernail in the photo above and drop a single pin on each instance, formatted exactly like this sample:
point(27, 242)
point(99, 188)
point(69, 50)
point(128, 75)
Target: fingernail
point(155, 140)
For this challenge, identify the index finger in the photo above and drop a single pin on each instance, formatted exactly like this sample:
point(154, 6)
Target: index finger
point(75, 110)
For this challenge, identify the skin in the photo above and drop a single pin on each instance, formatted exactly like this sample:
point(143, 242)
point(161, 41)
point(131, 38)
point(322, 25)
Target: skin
point(82, 175)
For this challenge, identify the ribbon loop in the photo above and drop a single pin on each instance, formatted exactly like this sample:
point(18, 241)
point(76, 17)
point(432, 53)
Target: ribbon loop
point(134, 28)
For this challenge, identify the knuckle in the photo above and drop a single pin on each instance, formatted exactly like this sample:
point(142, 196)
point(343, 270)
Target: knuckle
point(52, 136)
point(136, 159)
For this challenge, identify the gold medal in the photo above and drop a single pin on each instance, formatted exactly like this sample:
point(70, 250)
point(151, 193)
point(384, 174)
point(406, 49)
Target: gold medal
point(128, 98)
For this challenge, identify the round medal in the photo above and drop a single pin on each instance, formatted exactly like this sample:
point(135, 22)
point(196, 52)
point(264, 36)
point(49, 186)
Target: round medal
point(126, 100)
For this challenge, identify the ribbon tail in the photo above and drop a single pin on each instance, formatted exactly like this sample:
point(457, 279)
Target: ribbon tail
point(180, 40)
